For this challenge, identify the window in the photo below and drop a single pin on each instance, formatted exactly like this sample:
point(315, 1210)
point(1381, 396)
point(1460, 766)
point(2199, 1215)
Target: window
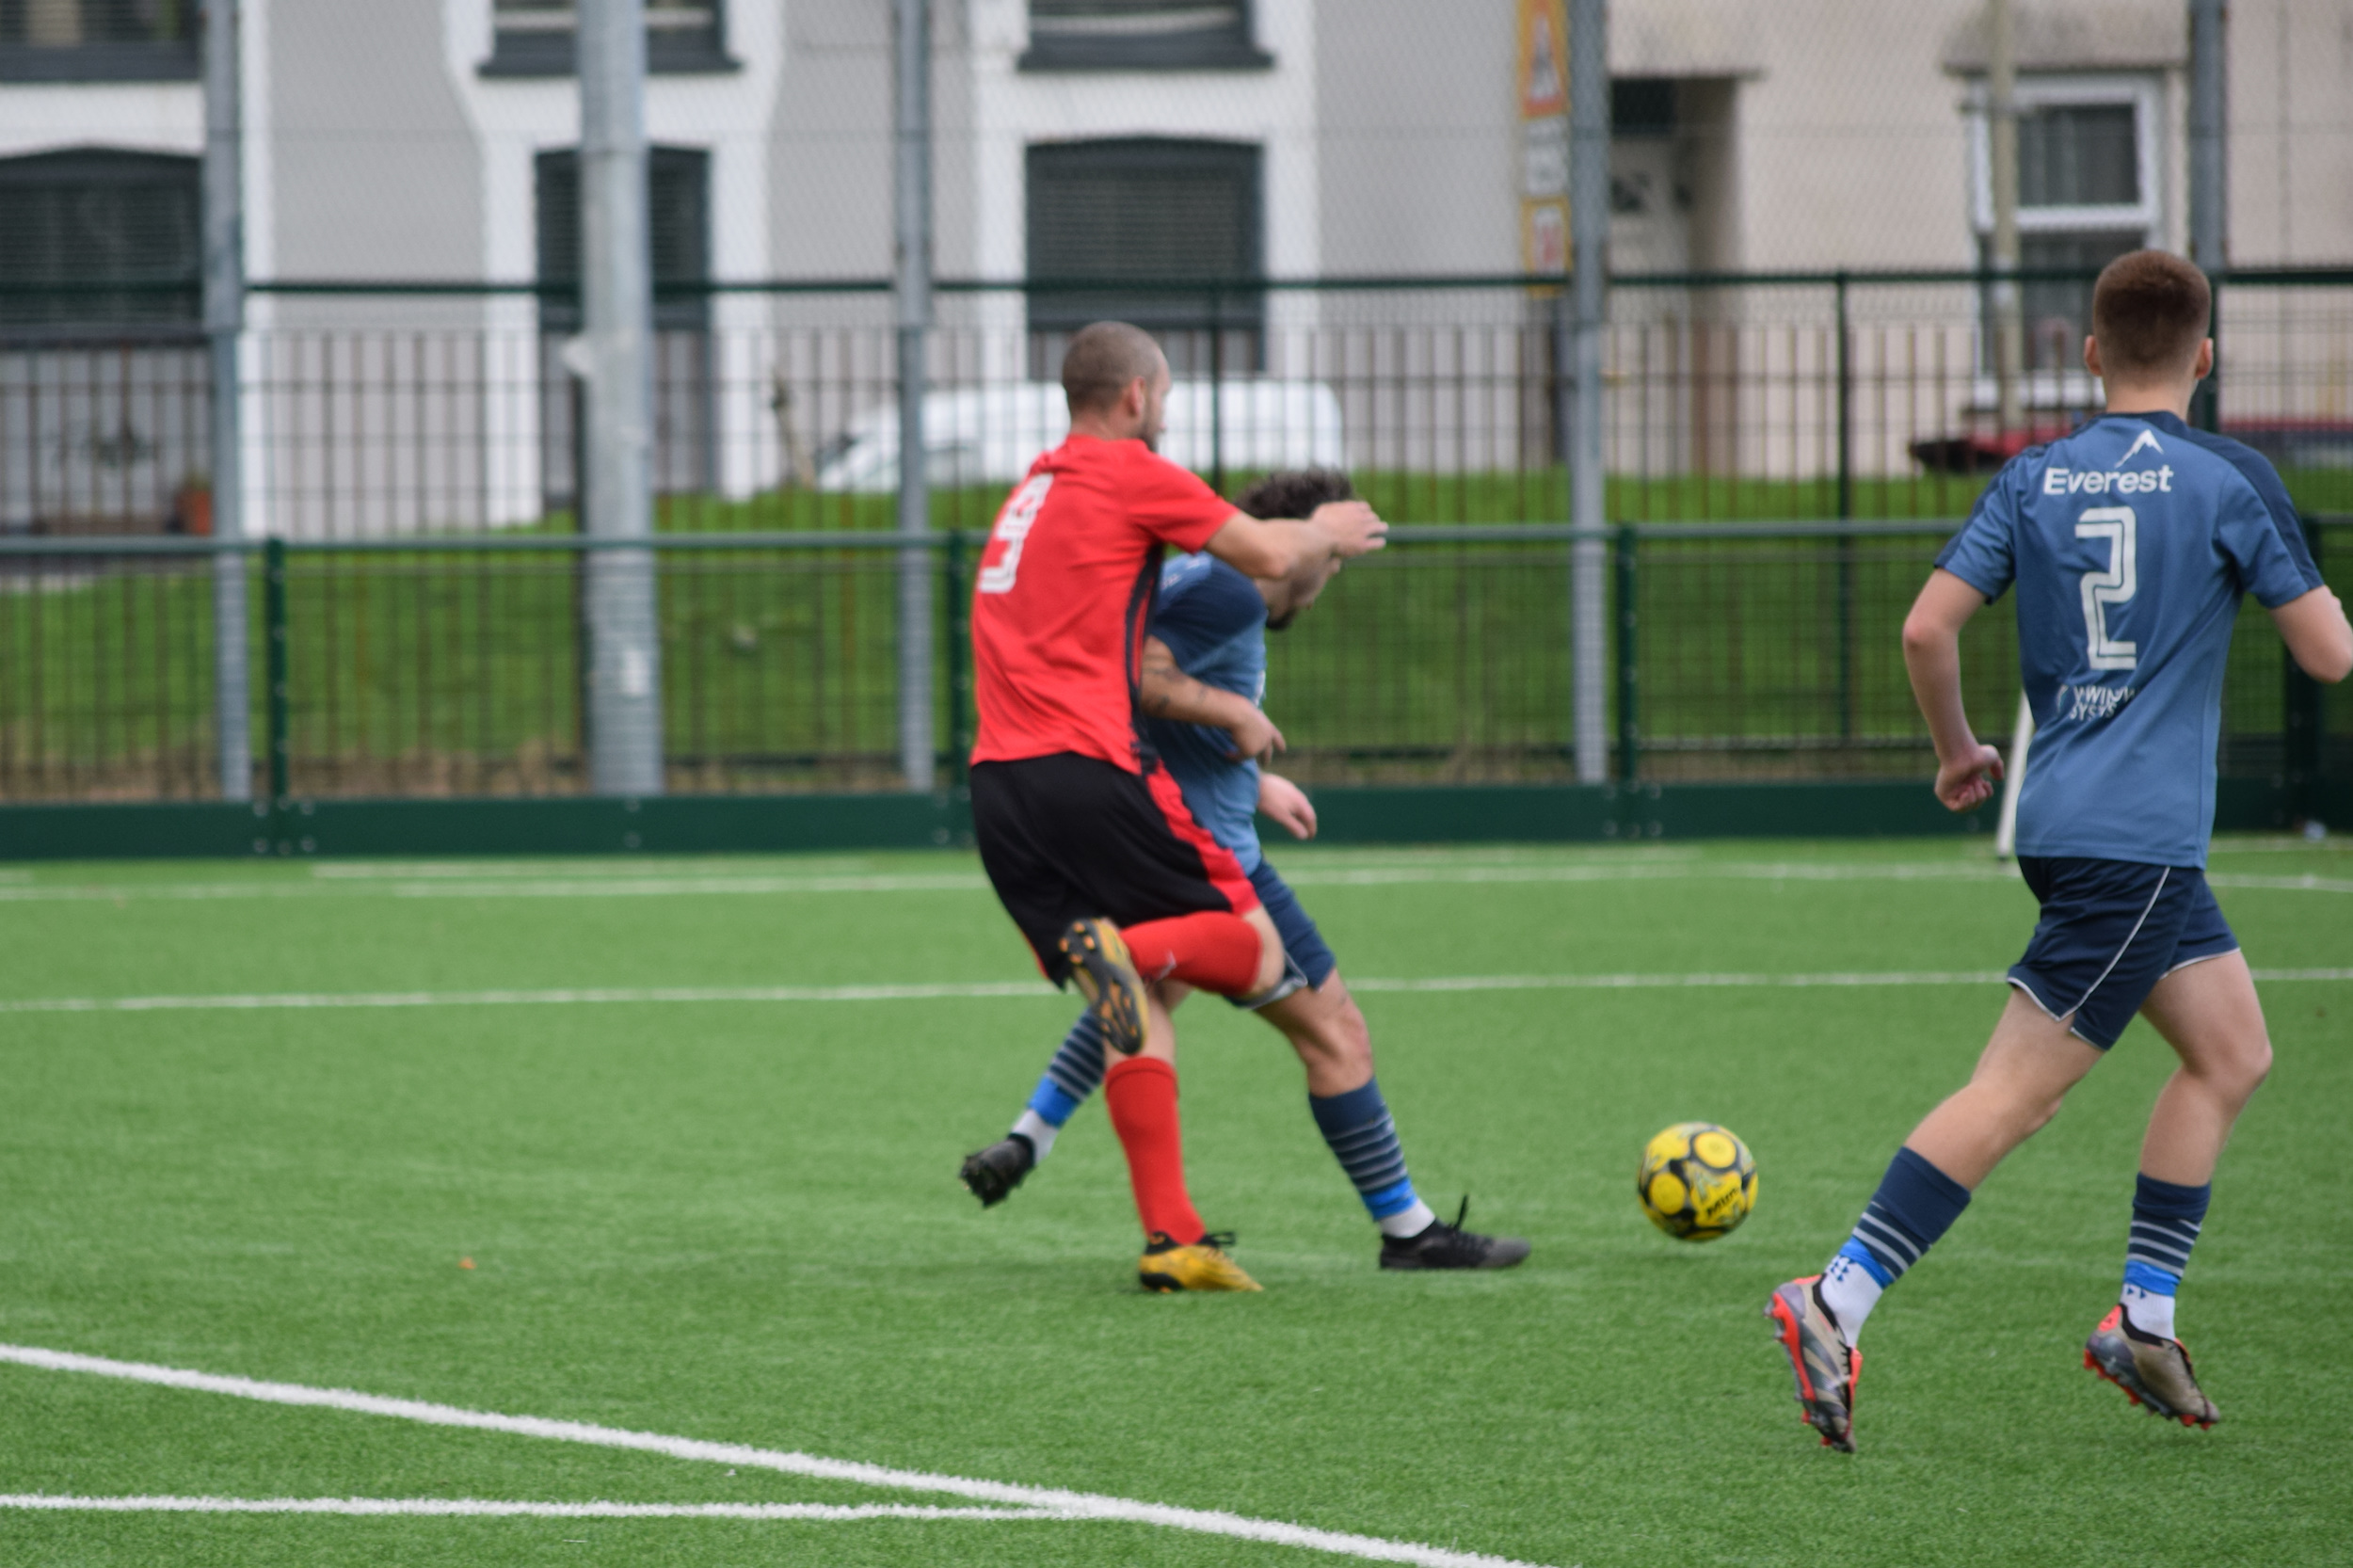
point(678, 212)
point(1142, 35)
point(534, 37)
point(1157, 212)
point(98, 40)
point(119, 236)
point(2088, 193)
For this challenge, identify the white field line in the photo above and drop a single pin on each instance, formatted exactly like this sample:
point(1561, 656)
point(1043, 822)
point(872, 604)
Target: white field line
point(988, 990)
point(1071, 1504)
point(476, 1508)
point(1306, 875)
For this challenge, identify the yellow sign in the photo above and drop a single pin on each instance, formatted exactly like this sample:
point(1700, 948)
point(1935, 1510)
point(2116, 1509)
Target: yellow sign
point(1543, 90)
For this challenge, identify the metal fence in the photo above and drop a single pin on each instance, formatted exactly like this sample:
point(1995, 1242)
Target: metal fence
point(374, 412)
point(452, 666)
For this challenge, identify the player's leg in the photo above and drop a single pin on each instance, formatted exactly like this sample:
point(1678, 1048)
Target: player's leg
point(1179, 1253)
point(1187, 909)
point(1327, 1030)
point(2107, 932)
point(2207, 1010)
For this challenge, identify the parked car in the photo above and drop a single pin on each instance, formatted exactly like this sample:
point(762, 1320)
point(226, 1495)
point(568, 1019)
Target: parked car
point(990, 435)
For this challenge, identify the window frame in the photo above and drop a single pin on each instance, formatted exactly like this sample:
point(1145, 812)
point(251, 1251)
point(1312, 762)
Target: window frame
point(2067, 385)
point(536, 53)
point(2146, 94)
point(1233, 49)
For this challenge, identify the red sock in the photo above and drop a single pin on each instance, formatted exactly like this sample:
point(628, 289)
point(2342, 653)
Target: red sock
point(1214, 951)
point(1142, 1093)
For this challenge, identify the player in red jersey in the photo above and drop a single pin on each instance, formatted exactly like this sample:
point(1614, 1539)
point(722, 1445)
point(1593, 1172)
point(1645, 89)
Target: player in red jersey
point(1087, 839)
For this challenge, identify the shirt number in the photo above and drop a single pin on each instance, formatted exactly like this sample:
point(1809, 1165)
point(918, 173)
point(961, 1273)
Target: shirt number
point(1013, 526)
point(2116, 585)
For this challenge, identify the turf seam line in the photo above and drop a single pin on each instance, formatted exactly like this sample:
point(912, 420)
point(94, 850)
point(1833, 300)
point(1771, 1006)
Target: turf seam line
point(1083, 1505)
point(983, 990)
point(476, 1508)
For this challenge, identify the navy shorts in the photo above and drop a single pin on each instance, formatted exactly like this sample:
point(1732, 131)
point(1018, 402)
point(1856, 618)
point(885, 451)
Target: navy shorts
point(2110, 929)
point(1301, 939)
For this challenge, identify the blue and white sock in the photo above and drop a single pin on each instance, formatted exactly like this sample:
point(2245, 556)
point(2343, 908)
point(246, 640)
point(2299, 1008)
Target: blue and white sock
point(1916, 1204)
point(1075, 1072)
point(2167, 1218)
point(1363, 1137)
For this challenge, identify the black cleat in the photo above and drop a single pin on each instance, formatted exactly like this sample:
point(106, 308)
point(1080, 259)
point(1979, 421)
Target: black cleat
point(991, 1174)
point(1440, 1245)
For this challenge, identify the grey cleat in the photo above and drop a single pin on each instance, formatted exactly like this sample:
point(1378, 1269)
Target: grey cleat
point(2155, 1374)
point(1827, 1368)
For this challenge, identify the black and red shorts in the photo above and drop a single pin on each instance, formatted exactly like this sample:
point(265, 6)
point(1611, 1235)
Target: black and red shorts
point(1066, 837)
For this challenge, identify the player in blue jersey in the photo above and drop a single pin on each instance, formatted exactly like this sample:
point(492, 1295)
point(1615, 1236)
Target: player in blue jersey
point(1203, 677)
point(2131, 543)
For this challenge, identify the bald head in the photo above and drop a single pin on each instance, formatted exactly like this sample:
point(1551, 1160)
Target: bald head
point(1103, 361)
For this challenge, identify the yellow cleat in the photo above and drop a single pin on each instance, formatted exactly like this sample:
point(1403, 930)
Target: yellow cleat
point(1202, 1265)
point(1107, 977)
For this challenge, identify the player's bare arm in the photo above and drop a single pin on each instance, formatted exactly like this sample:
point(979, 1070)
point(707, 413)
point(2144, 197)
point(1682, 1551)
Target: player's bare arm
point(1338, 530)
point(1966, 770)
point(1168, 693)
point(2319, 638)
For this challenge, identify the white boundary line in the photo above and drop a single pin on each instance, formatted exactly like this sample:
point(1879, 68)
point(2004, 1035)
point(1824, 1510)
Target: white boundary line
point(1308, 874)
point(1071, 1504)
point(475, 1508)
point(1015, 989)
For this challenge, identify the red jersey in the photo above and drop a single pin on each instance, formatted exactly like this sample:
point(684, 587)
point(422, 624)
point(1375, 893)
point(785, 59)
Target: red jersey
point(1058, 608)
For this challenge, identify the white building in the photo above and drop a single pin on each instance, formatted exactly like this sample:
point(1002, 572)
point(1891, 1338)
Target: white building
point(1294, 140)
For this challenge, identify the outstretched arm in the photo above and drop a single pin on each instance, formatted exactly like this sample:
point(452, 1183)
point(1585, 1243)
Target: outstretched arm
point(1966, 770)
point(2314, 628)
point(1345, 529)
point(1169, 693)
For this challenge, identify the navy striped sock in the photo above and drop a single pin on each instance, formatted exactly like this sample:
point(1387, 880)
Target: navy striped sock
point(1075, 1072)
point(1916, 1204)
point(1363, 1137)
point(2167, 1218)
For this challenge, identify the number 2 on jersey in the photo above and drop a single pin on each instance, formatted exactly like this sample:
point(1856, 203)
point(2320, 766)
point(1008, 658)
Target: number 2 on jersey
point(1013, 526)
point(2116, 585)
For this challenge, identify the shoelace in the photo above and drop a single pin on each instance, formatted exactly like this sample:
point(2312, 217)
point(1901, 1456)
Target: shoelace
point(1222, 1240)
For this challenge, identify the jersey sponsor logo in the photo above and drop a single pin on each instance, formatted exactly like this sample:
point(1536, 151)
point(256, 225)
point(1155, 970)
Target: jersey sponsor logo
point(2090, 704)
point(2069, 481)
point(1012, 527)
point(2146, 442)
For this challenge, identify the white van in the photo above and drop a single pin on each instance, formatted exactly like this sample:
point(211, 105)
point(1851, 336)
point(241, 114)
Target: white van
point(990, 435)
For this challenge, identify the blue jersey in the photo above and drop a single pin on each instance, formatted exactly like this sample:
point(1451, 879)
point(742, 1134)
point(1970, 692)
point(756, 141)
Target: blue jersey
point(2131, 541)
point(1214, 623)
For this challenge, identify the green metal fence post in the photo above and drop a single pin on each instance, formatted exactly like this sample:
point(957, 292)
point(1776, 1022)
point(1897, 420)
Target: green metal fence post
point(2302, 718)
point(274, 653)
point(959, 687)
point(1629, 664)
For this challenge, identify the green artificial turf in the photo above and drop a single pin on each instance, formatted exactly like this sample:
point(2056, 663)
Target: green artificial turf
point(737, 1221)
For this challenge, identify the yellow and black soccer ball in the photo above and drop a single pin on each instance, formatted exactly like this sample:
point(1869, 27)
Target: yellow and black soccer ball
point(1698, 1181)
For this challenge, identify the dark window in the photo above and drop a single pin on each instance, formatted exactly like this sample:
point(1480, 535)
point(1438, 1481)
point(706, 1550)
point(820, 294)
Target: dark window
point(1142, 35)
point(100, 239)
point(534, 37)
point(1158, 213)
point(98, 40)
point(678, 211)
point(2078, 155)
point(1642, 106)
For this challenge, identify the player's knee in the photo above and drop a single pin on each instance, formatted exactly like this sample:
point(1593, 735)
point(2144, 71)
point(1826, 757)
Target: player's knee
point(1270, 972)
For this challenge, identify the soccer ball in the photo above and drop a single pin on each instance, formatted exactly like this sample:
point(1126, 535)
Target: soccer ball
point(1697, 1182)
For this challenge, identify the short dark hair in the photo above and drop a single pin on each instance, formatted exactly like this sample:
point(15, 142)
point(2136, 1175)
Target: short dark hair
point(1295, 493)
point(1102, 360)
point(2149, 312)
